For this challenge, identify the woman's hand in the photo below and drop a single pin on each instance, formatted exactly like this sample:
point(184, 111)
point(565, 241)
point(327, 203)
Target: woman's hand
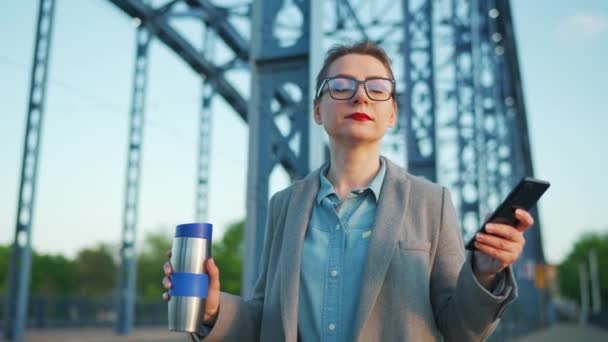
point(212, 304)
point(499, 247)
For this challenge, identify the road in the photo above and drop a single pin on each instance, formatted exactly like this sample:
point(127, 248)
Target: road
point(556, 333)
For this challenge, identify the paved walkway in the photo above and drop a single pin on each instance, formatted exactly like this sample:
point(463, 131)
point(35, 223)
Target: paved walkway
point(155, 334)
point(567, 333)
point(556, 333)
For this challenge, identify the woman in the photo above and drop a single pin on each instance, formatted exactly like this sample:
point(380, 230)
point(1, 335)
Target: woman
point(360, 250)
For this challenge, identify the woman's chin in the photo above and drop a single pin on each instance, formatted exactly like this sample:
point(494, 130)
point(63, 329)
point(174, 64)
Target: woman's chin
point(357, 138)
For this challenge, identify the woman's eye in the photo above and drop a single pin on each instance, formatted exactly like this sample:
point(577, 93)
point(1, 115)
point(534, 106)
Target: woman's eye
point(377, 90)
point(341, 85)
point(341, 89)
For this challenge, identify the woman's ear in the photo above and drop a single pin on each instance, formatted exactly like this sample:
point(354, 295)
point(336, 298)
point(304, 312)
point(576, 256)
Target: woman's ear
point(317, 113)
point(392, 120)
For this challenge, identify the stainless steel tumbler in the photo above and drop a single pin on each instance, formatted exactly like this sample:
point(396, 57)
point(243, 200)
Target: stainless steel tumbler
point(191, 248)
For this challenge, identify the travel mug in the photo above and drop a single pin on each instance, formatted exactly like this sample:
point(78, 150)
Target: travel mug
point(191, 249)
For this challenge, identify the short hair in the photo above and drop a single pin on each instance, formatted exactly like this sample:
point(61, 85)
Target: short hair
point(365, 47)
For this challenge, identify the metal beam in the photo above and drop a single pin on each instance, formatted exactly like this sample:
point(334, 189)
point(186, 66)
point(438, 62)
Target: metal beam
point(420, 85)
point(128, 252)
point(355, 17)
point(466, 119)
point(216, 18)
point(505, 28)
point(280, 92)
point(15, 314)
point(159, 26)
point(204, 136)
point(521, 161)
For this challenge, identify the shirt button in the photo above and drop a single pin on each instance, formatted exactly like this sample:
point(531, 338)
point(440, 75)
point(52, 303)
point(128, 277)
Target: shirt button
point(334, 273)
point(332, 327)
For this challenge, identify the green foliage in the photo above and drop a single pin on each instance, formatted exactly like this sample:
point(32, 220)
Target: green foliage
point(149, 264)
point(568, 270)
point(51, 274)
point(228, 256)
point(5, 252)
point(95, 271)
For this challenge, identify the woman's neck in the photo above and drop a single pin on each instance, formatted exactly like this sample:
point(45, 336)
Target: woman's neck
point(353, 168)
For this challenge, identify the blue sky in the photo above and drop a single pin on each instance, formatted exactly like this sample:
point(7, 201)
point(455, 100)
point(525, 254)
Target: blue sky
point(563, 50)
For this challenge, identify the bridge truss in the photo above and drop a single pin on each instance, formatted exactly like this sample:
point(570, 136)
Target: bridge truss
point(462, 120)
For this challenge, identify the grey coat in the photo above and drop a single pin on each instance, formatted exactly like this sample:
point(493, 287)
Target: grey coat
point(418, 284)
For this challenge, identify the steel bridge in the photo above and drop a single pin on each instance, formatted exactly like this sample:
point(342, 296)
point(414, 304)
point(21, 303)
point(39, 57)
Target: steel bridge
point(462, 122)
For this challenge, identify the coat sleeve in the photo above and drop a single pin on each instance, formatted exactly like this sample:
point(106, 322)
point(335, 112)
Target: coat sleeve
point(464, 310)
point(238, 318)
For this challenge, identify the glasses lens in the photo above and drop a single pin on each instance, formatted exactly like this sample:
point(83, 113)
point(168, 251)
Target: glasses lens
point(341, 88)
point(379, 89)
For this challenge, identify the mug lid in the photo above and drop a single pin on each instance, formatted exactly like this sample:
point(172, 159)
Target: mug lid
point(195, 230)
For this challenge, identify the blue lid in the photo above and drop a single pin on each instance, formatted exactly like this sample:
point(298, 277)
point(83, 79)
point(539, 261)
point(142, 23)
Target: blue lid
point(195, 230)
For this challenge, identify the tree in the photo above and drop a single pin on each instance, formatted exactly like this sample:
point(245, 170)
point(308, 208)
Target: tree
point(568, 270)
point(228, 255)
point(149, 264)
point(95, 271)
point(5, 254)
point(51, 274)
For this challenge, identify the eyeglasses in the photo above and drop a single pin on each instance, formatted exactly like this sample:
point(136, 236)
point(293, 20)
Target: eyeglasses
point(345, 88)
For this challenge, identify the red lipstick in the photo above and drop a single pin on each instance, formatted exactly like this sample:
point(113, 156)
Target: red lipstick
point(358, 116)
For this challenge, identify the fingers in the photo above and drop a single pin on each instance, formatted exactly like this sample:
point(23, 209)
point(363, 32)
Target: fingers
point(167, 268)
point(167, 285)
point(525, 220)
point(213, 297)
point(498, 242)
point(501, 242)
point(505, 231)
point(504, 257)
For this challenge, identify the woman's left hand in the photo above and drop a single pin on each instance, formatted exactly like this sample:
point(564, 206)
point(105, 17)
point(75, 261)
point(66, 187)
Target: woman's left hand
point(500, 247)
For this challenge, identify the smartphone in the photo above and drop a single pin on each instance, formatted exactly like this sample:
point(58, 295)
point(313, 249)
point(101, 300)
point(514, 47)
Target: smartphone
point(527, 192)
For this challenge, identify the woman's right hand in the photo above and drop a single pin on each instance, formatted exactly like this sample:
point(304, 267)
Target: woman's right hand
point(212, 304)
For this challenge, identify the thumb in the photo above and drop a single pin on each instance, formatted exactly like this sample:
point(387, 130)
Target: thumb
point(214, 274)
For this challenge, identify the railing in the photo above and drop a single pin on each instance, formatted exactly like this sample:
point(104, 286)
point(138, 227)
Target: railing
point(79, 311)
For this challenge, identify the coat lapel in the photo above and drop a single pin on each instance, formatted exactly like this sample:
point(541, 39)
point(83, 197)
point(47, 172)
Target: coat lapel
point(388, 225)
point(296, 221)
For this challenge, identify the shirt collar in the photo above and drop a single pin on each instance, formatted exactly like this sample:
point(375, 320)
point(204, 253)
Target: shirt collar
point(326, 188)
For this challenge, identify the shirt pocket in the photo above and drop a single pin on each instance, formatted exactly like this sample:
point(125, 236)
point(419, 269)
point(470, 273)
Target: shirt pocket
point(358, 238)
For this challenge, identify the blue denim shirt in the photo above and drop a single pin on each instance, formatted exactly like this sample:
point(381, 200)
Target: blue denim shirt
point(333, 257)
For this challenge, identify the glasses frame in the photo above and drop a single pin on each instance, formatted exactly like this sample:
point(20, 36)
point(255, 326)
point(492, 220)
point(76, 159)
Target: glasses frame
point(364, 82)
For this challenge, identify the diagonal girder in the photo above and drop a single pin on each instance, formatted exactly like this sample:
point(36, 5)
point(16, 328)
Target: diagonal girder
point(175, 41)
point(216, 18)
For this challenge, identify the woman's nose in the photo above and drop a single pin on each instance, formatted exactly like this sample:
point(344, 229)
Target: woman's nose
point(360, 94)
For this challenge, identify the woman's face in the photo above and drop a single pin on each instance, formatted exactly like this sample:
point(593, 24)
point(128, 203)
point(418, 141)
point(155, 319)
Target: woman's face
point(359, 119)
